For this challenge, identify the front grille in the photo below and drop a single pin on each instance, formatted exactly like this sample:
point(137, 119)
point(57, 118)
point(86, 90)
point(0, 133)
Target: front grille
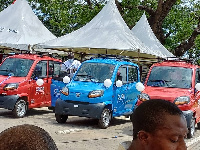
point(77, 102)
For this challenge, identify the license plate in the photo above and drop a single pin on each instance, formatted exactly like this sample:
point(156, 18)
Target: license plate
point(76, 106)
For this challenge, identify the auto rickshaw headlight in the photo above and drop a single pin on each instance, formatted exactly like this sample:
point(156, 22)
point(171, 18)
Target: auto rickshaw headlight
point(96, 93)
point(11, 86)
point(65, 91)
point(143, 97)
point(182, 100)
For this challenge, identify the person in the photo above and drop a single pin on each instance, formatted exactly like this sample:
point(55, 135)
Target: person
point(26, 137)
point(158, 125)
point(70, 65)
point(119, 77)
point(68, 62)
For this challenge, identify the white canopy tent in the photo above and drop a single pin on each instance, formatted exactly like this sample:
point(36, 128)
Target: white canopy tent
point(20, 28)
point(106, 33)
point(143, 32)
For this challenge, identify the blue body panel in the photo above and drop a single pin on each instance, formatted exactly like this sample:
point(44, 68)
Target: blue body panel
point(56, 87)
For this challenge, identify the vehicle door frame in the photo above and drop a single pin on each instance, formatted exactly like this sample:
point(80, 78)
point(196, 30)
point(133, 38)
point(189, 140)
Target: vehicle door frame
point(38, 97)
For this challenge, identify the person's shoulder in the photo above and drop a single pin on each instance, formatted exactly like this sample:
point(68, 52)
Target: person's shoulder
point(124, 145)
point(67, 62)
point(76, 62)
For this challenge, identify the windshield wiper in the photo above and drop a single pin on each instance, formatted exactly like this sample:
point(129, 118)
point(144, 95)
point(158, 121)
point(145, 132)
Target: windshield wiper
point(81, 75)
point(160, 82)
point(6, 70)
point(91, 78)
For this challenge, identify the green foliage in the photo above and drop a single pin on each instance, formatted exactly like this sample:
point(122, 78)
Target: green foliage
point(4, 4)
point(64, 16)
point(180, 22)
point(130, 13)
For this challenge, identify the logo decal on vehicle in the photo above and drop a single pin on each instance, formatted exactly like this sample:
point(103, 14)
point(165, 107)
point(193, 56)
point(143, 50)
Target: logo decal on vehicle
point(121, 97)
point(78, 94)
point(39, 90)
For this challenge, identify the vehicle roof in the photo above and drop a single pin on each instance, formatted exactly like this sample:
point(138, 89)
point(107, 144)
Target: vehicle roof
point(110, 61)
point(34, 57)
point(176, 64)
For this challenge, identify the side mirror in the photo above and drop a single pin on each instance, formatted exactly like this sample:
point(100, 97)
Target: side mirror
point(197, 86)
point(66, 79)
point(40, 82)
point(107, 83)
point(140, 87)
point(119, 83)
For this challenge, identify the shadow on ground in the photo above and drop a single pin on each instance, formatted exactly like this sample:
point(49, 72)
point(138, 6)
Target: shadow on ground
point(31, 112)
point(92, 123)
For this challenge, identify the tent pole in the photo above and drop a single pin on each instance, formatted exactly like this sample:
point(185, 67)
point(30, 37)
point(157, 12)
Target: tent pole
point(140, 69)
point(138, 56)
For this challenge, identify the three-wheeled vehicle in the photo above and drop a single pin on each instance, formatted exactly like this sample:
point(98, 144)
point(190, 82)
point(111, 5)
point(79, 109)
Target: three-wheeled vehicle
point(102, 88)
point(29, 81)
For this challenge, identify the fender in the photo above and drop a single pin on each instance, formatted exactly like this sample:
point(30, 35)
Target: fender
point(23, 95)
point(107, 102)
point(8, 102)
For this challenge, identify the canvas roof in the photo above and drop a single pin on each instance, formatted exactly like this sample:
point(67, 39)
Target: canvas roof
point(20, 27)
point(143, 31)
point(106, 33)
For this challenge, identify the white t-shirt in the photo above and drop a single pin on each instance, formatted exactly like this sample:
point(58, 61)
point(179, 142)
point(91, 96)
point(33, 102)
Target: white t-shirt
point(76, 64)
point(70, 64)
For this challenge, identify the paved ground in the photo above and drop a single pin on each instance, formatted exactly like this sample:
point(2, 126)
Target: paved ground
point(80, 133)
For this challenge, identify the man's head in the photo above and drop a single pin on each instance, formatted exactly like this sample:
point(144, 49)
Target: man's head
point(26, 137)
point(70, 56)
point(159, 124)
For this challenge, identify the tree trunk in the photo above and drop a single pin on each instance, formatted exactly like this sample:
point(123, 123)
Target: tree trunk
point(157, 17)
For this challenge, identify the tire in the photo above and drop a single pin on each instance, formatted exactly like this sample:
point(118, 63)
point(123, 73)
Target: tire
point(198, 125)
point(105, 119)
point(191, 129)
point(61, 118)
point(20, 109)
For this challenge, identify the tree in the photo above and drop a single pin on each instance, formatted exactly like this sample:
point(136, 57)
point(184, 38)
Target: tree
point(64, 16)
point(4, 4)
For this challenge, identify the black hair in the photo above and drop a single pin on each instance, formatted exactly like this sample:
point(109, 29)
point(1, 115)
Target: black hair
point(26, 137)
point(150, 114)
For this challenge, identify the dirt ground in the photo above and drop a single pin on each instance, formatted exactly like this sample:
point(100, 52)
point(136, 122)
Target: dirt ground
point(77, 133)
point(80, 133)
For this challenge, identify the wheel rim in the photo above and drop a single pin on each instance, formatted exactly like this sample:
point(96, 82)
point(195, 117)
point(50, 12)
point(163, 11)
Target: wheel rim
point(21, 108)
point(106, 118)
